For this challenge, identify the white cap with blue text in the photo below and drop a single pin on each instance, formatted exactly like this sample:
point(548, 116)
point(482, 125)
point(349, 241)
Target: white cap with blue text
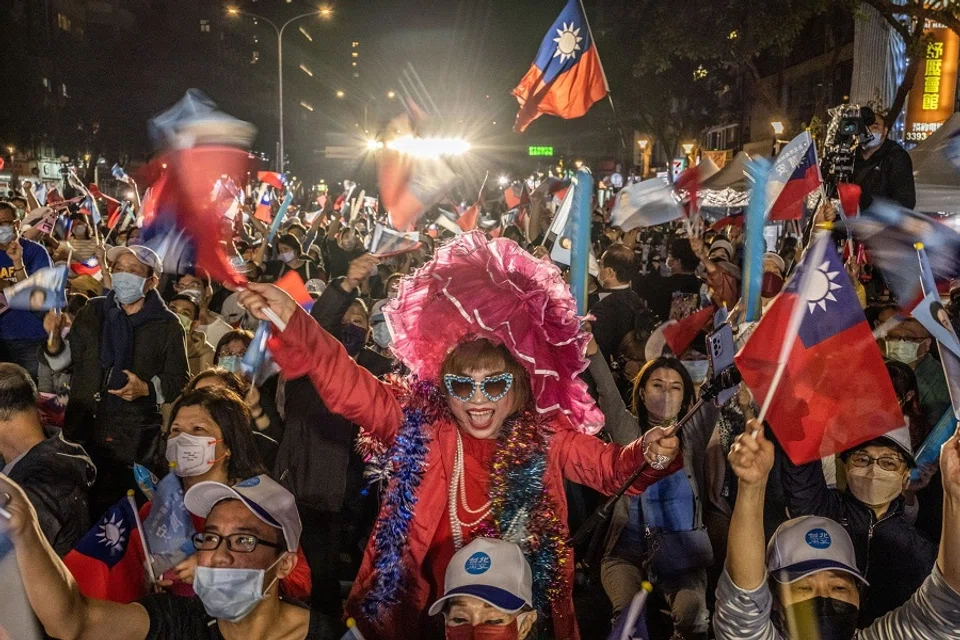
point(490, 570)
point(809, 544)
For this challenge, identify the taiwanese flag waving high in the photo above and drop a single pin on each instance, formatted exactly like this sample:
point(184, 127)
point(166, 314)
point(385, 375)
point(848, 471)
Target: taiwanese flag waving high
point(834, 391)
point(566, 77)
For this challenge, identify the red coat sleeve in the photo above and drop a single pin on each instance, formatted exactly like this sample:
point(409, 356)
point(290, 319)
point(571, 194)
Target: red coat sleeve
point(604, 466)
point(346, 388)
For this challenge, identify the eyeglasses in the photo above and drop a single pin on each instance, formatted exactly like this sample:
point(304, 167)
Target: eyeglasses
point(887, 463)
point(236, 542)
point(492, 387)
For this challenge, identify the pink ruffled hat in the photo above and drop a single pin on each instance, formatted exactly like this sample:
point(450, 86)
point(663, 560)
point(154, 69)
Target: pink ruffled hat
point(496, 290)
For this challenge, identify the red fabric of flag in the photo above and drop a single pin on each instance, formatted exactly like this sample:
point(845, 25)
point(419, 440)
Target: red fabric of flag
point(292, 283)
point(680, 335)
point(835, 392)
point(273, 179)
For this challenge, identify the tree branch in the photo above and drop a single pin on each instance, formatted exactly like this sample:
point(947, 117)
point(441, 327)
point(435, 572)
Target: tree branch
point(914, 51)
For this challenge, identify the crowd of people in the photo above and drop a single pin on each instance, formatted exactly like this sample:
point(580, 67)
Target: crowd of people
point(424, 436)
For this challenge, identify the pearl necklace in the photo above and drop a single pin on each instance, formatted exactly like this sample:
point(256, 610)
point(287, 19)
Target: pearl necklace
point(458, 485)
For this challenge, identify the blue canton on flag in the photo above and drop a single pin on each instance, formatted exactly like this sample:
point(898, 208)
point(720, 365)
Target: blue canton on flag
point(565, 41)
point(107, 541)
point(832, 304)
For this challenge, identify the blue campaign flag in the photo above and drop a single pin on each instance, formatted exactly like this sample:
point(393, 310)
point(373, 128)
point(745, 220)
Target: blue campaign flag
point(119, 174)
point(44, 290)
point(754, 245)
point(929, 451)
point(145, 480)
point(281, 214)
point(169, 527)
point(580, 237)
point(257, 361)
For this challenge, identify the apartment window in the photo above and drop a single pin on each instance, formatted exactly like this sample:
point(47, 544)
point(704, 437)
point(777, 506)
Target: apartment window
point(255, 57)
point(204, 26)
point(63, 22)
point(355, 55)
point(354, 44)
point(63, 90)
point(46, 83)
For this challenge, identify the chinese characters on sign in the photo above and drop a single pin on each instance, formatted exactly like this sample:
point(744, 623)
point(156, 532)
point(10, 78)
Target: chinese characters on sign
point(541, 151)
point(932, 98)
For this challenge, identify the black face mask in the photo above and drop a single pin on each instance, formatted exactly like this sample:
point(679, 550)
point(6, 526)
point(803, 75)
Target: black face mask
point(352, 337)
point(823, 618)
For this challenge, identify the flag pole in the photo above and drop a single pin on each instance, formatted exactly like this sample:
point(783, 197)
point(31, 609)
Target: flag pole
point(143, 538)
point(606, 83)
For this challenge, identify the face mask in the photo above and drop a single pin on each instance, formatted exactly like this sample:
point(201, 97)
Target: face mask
point(665, 271)
point(874, 142)
point(352, 338)
point(6, 234)
point(128, 287)
point(903, 351)
point(823, 618)
point(231, 363)
point(185, 322)
point(194, 455)
point(483, 632)
point(873, 486)
point(80, 230)
point(287, 256)
point(231, 594)
point(381, 335)
point(770, 285)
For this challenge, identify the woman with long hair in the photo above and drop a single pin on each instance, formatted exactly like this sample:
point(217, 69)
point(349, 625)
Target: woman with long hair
point(660, 536)
point(480, 436)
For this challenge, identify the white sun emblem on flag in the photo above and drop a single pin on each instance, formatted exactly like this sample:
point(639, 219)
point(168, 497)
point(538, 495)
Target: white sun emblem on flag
point(568, 42)
point(112, 534)
point(822, 286)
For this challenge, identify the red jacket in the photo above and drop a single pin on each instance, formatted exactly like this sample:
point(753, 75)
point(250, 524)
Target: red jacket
point(348, 389)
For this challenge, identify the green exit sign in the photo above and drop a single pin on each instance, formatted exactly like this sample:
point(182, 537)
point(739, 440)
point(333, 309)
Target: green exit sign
point(541, 151)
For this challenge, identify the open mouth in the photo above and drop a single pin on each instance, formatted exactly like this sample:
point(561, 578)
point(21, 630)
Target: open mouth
point(480, 417)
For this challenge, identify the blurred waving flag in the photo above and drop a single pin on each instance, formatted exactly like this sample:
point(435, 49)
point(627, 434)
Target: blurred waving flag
point(795, 175)
point(645, 204)
point(264, 210)
point(386, 242)
point(114, 206)
point(16, 618)
point(43, 290)
point(119, 174)
point(681, 334)
point(292, 283)
point(834, 391)
point(760, 172)
point(104, 563)
point(276, 180)
point(169, 527)
point(566, 77)
point(890, 232)
point(88, 267)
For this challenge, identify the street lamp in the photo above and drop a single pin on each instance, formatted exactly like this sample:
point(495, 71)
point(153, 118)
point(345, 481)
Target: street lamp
point(777, 127)
point(643, 142)
point(687, 148)
point(325, 12)
point(391, 94)
point(340, 94)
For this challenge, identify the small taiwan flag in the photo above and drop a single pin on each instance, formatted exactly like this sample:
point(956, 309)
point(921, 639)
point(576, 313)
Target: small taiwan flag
point(104, 563)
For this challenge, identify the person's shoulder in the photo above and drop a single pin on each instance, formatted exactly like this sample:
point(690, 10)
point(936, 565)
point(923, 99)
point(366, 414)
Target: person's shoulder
point(175, 616)
point(32, 249)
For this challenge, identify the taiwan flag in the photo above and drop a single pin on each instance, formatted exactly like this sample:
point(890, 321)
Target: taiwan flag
point(834, 392)
point(104, 563)
point(566, 77)
point(795, 175)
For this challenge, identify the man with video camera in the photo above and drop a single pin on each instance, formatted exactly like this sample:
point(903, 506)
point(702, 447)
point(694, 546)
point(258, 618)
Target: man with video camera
point(882, 168)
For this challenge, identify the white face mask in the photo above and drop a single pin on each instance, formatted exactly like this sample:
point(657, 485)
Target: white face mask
point(873, 486)
point(193, 455)
point(231, 594)
point(904, 351)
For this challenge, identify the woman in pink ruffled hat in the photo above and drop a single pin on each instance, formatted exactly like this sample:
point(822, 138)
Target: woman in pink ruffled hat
point(482, 433)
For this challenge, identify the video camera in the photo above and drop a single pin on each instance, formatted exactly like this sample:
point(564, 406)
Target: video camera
point(849, 127)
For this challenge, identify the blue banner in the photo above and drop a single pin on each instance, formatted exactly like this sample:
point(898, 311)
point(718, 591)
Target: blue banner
point(580, 238)
point(754, 245)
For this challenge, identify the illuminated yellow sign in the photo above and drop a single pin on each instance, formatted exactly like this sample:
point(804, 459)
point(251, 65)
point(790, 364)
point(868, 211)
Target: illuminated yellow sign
point(932, 97)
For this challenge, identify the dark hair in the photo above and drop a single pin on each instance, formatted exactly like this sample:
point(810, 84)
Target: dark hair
point(18, 392)
point(620, 259)
point(75, 302)
point(681, 250)
point(231, 414)
point(20, 198)
point(9, 207)
point(484, 354)
point(663, 362)
point(232, 381)
point(184, 298)
point(244, 336)
point(291, 241)
point(513, 233)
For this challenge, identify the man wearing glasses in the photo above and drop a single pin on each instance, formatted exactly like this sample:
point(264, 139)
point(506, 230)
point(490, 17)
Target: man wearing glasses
point(891, 552)
point(248, 544)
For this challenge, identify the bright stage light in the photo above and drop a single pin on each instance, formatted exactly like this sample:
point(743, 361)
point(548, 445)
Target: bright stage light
point(429, 147)
point(374, 145)
point(504, 181)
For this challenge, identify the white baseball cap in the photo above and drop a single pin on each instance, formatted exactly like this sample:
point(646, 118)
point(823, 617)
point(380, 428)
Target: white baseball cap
point(490, 570)
point(265, 498)
point(809, 544)
point(145, 255)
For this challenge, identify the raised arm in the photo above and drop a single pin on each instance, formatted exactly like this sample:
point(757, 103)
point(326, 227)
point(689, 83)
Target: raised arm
point(807, 493)
point(751, 458)
point(618, 421)
point(605, 467)
point(303, 348)
point(52, 591)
